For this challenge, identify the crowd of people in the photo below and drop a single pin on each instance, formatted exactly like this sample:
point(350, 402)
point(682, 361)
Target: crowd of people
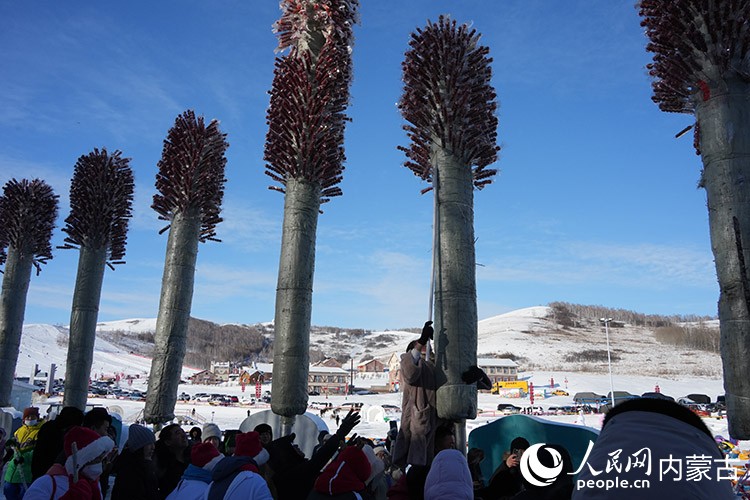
point(74, 456)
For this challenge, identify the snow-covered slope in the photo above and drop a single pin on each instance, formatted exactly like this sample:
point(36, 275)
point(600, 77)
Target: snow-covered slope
point(135, 325)
point(537, 343)
point(46, 344)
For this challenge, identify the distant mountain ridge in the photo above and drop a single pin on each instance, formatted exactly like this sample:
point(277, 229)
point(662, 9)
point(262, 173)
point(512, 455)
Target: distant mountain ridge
point(559, 337)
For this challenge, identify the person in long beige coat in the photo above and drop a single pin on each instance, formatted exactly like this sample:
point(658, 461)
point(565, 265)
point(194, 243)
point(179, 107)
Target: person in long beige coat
point(416, 439)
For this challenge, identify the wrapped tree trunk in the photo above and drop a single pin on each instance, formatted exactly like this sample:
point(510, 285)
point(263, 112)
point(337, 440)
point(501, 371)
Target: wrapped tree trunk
point(12, 309)
point(702, 66)
point(83, 319)
point(28, 210)
point(170, 340)
point(305, 154)
point(294, 298)
point(724, 121)
point(190, 186)
point(455, 288)
point(101, 199)
point(450, 106)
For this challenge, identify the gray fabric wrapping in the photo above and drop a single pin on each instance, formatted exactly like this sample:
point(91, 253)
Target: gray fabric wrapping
point(15, 288)
point(83, 318)
point(170, 339)
point(724, 122)
point(294, 298)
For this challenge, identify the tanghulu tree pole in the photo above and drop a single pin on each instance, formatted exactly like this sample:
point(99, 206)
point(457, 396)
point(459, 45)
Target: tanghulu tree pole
point(28, 210)
point(701, 66)
point(305, 155)
point(101, 199)
point(190, 186)
point(450, 106)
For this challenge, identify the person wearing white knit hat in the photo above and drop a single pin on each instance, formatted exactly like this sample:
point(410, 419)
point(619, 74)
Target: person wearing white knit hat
point(84, 451)
point(212, 434)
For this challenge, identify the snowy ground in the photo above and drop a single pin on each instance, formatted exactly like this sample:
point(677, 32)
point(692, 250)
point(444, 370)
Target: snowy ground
point(527, 332)
point(230, 417)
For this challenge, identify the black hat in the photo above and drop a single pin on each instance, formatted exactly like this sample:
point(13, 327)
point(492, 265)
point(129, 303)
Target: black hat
point(96, 415)
point(261, 428)
point(519, 444)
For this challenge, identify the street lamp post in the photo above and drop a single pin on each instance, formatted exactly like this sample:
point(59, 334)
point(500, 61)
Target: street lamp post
point(606, 322)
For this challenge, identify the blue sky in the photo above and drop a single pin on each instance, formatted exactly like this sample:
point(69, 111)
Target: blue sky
point(596, 201)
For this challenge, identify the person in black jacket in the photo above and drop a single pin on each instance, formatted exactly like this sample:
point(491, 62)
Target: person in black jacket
point(134, 470)
point(49, 441)
point(171, 457)
point(287, 461)
point(506, 481)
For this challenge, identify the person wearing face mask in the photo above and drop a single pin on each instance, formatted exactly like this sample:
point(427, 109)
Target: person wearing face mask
point(79, 478)
point(50, 441)
point(18, 474)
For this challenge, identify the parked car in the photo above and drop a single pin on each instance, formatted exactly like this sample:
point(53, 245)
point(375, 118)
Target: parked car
point(560, 392)
point(184, 396)
point(508, 409)
point(348, 406)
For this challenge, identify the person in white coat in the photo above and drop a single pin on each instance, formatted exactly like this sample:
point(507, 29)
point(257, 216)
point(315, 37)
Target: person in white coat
point(197, 476)
point(237, 477)
point(79, 477)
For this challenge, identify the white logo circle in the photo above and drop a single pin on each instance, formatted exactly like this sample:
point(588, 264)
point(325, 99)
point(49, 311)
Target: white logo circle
point(535, 472)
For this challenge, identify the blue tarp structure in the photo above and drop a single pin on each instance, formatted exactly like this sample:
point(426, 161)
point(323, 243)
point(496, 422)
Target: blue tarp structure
point(494, 438)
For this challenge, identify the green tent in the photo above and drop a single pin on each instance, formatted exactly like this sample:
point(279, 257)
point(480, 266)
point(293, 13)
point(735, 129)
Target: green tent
point(494, 438)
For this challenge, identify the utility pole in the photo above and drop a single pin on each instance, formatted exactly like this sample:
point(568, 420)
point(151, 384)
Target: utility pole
point(606, 322)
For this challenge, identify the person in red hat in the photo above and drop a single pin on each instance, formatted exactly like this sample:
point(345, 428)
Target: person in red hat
point(237, 477)
point(197, 476)
point(345, 477)
point(18, 474)
point(78, 479)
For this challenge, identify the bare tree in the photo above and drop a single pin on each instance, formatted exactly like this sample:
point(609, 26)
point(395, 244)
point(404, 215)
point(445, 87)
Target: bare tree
point(28, 210)
point(701, 66)
point(450, 106)
point(101, 199)
point(190, 186)
point(305, 154)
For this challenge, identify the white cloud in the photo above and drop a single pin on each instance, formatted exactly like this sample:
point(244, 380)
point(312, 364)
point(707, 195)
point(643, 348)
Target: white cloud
point(248, 229)
point(579, 263)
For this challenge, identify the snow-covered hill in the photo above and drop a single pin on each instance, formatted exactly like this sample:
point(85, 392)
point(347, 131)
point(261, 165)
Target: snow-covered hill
point(529, 335)
point(537, 343)
point(46, 344)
